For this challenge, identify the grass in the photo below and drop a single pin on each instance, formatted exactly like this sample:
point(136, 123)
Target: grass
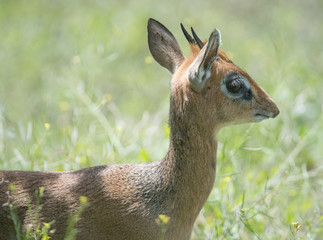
point(79, 88)
point(37, 229)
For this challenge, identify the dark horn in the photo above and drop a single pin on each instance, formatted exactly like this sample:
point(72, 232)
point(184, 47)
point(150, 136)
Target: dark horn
point(187, 35)
point(197, 39)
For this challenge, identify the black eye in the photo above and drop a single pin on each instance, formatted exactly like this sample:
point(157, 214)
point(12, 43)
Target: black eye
point(234, 85)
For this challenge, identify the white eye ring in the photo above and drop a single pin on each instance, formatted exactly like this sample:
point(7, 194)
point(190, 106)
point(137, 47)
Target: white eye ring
point(244, 83)
point(234, 85)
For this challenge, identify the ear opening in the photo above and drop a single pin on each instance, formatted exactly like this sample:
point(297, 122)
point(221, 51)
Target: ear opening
point(163, 46)
point(199, 70)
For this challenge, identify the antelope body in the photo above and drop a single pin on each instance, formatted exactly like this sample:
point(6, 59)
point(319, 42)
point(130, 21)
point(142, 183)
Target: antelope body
point(208, 92)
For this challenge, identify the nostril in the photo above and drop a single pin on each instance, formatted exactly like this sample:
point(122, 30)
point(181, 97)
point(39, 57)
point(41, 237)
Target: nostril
point(275, 113)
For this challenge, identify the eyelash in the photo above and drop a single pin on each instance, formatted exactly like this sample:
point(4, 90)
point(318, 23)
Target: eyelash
point(242, 89)
point(234, 85)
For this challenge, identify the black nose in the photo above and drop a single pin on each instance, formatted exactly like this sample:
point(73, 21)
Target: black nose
point(276, 112)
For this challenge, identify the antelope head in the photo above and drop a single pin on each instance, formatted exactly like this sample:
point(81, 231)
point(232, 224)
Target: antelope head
point(207, 84)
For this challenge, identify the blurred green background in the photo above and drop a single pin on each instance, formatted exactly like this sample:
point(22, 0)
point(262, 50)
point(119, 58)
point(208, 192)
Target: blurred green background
point(78, 88)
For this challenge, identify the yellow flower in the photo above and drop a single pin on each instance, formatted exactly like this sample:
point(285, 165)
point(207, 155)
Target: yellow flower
point(47, 126)
point(83, 199)
point(149, 59)
point(164, 219)
point(296, 225)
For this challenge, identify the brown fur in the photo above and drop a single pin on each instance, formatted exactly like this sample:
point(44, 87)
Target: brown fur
point(125, 200)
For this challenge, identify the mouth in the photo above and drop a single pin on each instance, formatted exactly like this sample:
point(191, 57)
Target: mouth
point(265, 112)
point(260, 116)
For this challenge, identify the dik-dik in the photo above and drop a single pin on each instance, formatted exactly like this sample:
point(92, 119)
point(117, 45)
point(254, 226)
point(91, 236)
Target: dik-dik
point(208, 92)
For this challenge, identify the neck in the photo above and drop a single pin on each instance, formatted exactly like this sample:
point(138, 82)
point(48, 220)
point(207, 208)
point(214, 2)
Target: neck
point(190, 164)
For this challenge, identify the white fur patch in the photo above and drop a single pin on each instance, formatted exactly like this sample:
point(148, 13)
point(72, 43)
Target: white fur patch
point(220, 40)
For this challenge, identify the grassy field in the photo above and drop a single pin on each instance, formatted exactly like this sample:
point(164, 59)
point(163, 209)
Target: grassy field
point(78, 88)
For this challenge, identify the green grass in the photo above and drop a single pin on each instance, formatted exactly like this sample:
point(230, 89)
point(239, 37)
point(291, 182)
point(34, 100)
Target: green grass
point(78, 88)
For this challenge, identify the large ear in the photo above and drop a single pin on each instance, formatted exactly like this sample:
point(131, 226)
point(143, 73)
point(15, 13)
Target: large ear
point(199, 70)
point(163, 46)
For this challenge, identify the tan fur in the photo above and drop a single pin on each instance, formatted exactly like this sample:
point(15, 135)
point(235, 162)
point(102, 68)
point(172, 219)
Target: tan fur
point(125, 200)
